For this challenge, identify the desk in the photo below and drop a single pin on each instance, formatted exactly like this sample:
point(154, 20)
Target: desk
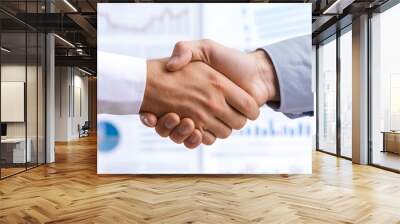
point(15, 148)
point(391, 141)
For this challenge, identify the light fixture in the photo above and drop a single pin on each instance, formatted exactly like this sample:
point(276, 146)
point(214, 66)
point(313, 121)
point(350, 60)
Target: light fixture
point(70, 5)
point(65, 41)
point(337, 7)
point(5, 50)
point(79, 51)
point(84, 71)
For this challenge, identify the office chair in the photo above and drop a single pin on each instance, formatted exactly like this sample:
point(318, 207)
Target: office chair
point(84, 130)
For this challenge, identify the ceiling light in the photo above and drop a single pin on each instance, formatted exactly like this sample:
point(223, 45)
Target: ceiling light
point(338, 6)
point(65, 41)
point(84, 71)
point(5, 50)
point(70, 5)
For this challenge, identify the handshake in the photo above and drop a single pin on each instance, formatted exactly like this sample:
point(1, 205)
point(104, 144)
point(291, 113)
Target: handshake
point(204, 90)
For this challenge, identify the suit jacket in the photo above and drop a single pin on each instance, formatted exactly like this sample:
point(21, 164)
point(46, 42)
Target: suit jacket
point(292, 62)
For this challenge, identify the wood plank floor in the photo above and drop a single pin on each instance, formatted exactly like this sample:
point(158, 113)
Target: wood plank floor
point(69, 191)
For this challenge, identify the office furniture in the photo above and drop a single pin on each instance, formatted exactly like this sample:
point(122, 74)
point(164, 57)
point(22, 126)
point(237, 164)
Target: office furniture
point(13, 150)
point(12, 101)
point(84, 130)
point(391, 141)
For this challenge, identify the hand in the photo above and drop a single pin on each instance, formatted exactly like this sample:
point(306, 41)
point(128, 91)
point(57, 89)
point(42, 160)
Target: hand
point(253, 72)
point(178, 130)
point(213, 103)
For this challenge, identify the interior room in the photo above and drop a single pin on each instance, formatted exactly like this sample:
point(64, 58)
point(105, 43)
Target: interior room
point(22, 101)
point(50, 139)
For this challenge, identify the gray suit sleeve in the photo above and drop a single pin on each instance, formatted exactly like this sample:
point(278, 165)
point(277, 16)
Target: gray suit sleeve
point(292, 62)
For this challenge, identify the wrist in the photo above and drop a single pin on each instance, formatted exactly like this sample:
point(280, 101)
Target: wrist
point(266, 73)
point(150, 86)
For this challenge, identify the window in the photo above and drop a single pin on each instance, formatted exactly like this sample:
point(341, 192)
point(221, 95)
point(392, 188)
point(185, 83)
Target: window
point(327, 96)
point(346, 93)
point(385, 89)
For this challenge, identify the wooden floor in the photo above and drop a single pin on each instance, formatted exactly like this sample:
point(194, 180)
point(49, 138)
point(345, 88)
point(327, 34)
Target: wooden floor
point(69, 191)
point(5, 172)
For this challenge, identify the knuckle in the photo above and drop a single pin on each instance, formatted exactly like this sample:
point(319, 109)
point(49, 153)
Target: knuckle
point(199, 116)
point(207, 42)
point(180, 45)
point(188, 123)
point(212, 78)
point(212, 106)
point(218, 85)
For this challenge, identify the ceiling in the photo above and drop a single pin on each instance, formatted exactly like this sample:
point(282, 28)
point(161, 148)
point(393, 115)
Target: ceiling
point(75, 21)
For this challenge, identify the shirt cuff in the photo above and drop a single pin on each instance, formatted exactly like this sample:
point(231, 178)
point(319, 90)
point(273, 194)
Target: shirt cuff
point(121, 83)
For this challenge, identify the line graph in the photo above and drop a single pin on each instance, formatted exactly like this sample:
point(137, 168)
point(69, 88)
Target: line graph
point(166, 22)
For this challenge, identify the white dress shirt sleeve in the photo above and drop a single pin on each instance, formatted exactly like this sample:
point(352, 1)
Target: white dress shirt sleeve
point(121, 83)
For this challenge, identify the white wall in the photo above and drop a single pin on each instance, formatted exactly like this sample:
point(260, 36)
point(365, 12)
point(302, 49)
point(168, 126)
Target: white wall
point(12, 73)
point(71, 102)
point(62, 81)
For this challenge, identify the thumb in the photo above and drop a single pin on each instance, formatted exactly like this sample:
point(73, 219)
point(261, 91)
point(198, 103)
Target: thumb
point(148, 119)
point(181, 56)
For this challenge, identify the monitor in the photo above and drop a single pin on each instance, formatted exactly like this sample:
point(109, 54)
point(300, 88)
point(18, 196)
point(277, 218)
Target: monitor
point(3, 129)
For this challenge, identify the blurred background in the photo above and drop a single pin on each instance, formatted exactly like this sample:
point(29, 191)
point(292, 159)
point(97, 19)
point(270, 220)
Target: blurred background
point(272, 144)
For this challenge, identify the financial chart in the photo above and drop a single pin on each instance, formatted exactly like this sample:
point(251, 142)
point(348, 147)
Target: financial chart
point(271, 144)
point(144, 31)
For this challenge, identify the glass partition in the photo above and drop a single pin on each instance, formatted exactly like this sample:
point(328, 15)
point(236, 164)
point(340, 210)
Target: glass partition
point(31, 99)
point(14, 153)
point(327, 96)
point(41, 96)
point(22, 77)
point(346, 93)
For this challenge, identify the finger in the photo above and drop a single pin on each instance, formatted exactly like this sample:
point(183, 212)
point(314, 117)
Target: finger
point(231, 117)
point(208, 138)
point(182, 131)
point(167, 123)
point(187, 51)
point(181, 56)
point(194, 140)
point(148, 119)
point(218, 128)
point(239, 99)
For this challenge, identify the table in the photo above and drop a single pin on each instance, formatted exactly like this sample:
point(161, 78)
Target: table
point(391, 141)
point(16, 147)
